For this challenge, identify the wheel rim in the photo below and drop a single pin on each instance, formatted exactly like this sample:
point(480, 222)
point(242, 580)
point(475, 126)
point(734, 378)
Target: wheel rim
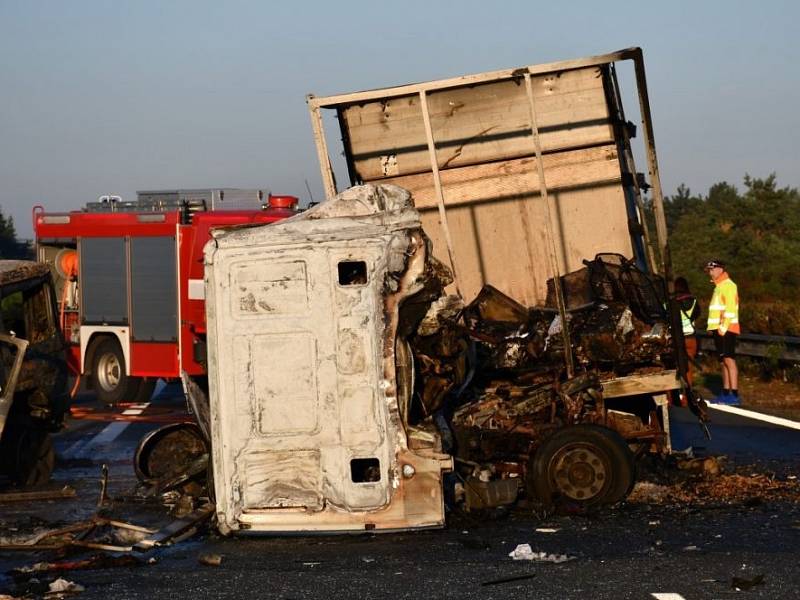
point(109, 372)
point(580, 472)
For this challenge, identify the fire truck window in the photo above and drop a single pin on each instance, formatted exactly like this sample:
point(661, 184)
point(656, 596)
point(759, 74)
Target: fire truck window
point(39, 322)
point(13, 316)
point(352, 272)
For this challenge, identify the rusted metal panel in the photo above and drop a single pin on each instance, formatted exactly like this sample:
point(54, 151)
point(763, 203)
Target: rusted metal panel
point(305, 421)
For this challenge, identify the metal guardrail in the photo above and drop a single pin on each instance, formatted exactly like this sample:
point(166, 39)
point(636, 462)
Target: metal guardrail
point(781, 347)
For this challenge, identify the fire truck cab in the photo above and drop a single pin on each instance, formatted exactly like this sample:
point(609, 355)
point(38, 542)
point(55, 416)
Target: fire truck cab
point(129, 281)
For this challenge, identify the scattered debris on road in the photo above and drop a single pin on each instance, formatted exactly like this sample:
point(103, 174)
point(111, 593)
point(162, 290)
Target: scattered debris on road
point(64, 493)
point(180, 529)
point(525, 552)
point(742, 584)
point(210, 560)
point(61, 588)
point(97, 532)
point(96, 561)
point(509, 579)
point(705, 487)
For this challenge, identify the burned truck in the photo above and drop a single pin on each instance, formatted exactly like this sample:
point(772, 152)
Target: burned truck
point(487, 300)
point(526, 182)
point(33, 372)
point(345, 381)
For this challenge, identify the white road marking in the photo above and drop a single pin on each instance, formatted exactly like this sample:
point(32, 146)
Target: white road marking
point(751, 414)
point(136, 409)
point(84, 448)
point(109, 433)
point(160, 385)
point(667, 596)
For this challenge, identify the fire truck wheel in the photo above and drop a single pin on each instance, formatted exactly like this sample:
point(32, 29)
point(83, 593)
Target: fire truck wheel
point(581, 466)
point(109, 380)
point(31, 456)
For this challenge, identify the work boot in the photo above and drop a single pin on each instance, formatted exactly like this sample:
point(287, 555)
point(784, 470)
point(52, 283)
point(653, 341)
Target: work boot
point(727, 400)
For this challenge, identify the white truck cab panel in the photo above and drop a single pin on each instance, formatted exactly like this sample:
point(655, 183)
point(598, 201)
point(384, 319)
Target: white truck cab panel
point(306, 428)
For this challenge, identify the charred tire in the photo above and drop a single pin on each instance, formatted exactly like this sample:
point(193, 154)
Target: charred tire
point(109, 380)
point(168, 451)
point(30, 457)
point(582, 465)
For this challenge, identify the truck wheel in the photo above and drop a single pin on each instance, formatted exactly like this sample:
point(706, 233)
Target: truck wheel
point(109, 380)
point(583, 466)
point(32, 457)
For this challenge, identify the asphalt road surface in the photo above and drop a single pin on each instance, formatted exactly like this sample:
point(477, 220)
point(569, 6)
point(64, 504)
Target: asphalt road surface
point(634, 551)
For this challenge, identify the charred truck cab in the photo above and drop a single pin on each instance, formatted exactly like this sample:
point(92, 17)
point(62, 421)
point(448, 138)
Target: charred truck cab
point(308, 410)
point(33, 372)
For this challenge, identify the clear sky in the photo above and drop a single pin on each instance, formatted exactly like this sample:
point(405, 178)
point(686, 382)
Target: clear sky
point(100, 97)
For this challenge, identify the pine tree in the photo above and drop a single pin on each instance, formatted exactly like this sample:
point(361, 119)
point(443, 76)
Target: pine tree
point(756, 232)
point(10, 247)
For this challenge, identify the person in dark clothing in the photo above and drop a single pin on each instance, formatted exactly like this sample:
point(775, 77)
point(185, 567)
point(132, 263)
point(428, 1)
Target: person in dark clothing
point(690, 312)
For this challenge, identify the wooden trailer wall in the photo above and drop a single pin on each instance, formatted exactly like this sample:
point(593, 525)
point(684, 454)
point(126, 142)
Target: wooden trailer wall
point(488, 133)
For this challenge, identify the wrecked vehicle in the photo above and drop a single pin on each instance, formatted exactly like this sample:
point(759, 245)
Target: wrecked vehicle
point(525, 181)
point(33, 372)
point(514, 418)
point(343, 380)
point(346, 374)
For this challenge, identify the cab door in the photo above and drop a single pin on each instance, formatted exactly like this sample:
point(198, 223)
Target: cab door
point(299, 420)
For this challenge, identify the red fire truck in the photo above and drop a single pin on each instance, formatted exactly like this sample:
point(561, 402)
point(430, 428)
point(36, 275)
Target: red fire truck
point(129, 278)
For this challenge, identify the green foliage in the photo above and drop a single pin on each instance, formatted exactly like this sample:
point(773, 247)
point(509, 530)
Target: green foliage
point(10, 247)
point(756, 233)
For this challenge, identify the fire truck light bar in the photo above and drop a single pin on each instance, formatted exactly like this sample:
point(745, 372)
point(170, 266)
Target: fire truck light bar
point(54, 219)
point(151, 218)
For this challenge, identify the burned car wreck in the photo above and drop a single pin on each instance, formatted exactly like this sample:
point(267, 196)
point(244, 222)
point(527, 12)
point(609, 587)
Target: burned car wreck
point(33, 372)
point(344, 381)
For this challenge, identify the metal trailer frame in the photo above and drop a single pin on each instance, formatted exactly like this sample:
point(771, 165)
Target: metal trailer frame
point(657, 384)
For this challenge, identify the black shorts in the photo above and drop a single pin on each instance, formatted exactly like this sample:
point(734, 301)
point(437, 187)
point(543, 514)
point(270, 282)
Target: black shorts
point(725, 344)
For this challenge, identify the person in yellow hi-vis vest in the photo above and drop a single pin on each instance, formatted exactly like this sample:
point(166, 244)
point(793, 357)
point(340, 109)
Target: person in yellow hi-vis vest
point(723, 320)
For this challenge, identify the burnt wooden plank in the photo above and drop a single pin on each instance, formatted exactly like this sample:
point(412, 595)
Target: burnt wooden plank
point(175, 529)
point(654, 383)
